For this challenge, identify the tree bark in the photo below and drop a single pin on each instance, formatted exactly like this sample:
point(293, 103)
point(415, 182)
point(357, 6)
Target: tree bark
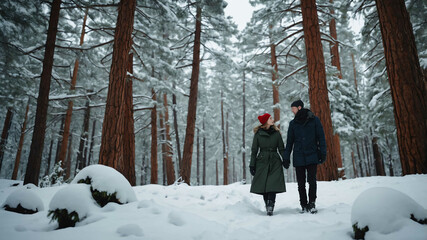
point(92, 142)
point(81, 156)
point(360, 159)
point(198, 157)
point(175, 125)
point(368, 156)
point(204, 153)
point(20, 144)
point(49, 158)
point(318, 91)
point(335, 60)
point(224, 143)
point(67, 123)
point(58, 143)
point(243, 128)
point(354, 164)
point(69, 158)
point(192, 103)
point(113, 141)
point(408, 86)
point(154, 165)
point(341, 172)
point(274, 75)
point(217, 173)
point(170, 170)
point(354, 73)
point(129, 129)
point(379, 167)
point(32, 172)
point(5, 133)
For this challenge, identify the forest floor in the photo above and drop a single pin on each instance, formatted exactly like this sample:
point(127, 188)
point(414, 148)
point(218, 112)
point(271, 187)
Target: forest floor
point(216, 212)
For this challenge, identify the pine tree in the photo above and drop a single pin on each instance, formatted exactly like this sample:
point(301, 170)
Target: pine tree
point(407, 85)
point(37, 143)
point(113, 129)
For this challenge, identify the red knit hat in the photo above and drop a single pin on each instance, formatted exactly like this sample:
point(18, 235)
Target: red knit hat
point(264, 118)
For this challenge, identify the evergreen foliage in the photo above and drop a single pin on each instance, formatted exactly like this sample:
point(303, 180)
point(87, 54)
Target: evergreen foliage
point(101, 197)
point(64, 218)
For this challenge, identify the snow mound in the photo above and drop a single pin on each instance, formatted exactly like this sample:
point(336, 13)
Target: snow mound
point(385, 210)
point(73, 198)
point(175, 218)
point(130, 229)
point(107, 179)
point(26, 198)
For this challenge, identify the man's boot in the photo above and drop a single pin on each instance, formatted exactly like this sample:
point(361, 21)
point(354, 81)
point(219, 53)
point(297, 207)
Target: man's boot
point(270, 207)
point(311, 208)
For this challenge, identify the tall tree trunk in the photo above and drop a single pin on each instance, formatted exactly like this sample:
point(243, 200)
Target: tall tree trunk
point(243, 128)
point(234, 170)
point(354, 73)
point(360, 159)
point(162, 141)
point(49, 158)
point(113, 141)
point(170, 170)
point(92, 142)
point(368, 155)
point(354, 165)
point(129, 129)
point(318, 90)
point(390, 159)
point(204, 153)
point(154, 165)
point(335, 60)
point(81, 156)
point(37, 143)
point(175, 126)
point(58, 143)
point(217, 173)
point(192, 102)
point(69, 158)
point(5, 133)
point(66, 133)
point(224, 143)
point(341, 172)
point(379, 167)
point(408, 86)
point(21, 143)
point(198, 157)
point(274, 75)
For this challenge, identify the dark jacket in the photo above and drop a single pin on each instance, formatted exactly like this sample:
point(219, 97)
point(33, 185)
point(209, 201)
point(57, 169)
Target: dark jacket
point(306, 138)
point(265, 158)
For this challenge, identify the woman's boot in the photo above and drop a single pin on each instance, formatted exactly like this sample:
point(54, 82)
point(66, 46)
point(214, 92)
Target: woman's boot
point(270, 207)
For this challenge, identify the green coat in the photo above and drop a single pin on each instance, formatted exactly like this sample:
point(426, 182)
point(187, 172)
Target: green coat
point(269, 175)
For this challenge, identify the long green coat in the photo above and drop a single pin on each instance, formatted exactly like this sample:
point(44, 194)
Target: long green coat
point(265, 158)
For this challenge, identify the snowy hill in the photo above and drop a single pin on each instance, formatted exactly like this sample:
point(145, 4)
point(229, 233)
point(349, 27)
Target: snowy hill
point(216, 212)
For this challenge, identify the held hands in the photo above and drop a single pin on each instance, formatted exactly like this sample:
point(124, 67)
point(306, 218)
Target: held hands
point(286, 163)
point(252, 170)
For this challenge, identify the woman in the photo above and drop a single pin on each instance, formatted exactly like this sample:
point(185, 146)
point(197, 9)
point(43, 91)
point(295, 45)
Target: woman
point(266, 165)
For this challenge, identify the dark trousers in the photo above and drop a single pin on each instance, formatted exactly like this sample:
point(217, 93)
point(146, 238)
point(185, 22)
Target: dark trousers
point(311, 179)
point(269, 196)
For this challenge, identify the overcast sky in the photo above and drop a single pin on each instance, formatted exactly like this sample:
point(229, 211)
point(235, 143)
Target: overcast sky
point(241, 12)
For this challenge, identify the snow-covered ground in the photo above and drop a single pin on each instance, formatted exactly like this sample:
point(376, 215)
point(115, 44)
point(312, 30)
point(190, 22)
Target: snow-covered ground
point(216, 212)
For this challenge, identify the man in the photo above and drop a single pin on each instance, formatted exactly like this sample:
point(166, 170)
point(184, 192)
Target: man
point(307, 139)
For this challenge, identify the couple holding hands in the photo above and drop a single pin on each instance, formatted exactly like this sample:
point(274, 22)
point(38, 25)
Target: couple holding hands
point(306, 138)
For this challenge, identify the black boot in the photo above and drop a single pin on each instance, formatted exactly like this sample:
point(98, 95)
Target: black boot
point(311, 207)
point(270, 207)
point(304, 208)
